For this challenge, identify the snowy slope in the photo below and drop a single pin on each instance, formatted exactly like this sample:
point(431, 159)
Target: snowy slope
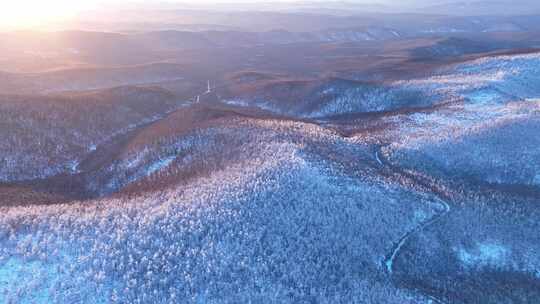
point(283, 224)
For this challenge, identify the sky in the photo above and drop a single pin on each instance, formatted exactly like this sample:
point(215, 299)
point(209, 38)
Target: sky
point(27, 13)
point(33, 13)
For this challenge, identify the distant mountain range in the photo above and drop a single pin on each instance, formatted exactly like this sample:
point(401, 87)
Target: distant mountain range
point(458, 16)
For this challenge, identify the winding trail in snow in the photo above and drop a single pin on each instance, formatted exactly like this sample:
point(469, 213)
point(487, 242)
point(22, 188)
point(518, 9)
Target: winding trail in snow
point(378, 158)
point(101, 152)
point(388, 262)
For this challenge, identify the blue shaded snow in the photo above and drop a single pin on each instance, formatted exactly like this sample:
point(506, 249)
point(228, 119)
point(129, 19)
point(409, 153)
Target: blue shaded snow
point(33, 278)
point(485, 96)
point(485, 254)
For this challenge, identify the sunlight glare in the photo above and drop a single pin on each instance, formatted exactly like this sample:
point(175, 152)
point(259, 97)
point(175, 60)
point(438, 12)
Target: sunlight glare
point(35, 13)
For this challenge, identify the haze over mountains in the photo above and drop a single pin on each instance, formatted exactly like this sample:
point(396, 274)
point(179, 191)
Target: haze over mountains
point(292, 152)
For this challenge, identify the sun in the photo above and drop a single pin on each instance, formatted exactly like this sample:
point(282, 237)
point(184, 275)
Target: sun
point(17, 14)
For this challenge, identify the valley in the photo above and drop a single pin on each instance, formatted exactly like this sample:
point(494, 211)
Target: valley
point(331, 165)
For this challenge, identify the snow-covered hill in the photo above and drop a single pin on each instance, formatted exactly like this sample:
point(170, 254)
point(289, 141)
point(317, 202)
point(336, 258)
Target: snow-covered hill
point(292, 191)
point(46, 135)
